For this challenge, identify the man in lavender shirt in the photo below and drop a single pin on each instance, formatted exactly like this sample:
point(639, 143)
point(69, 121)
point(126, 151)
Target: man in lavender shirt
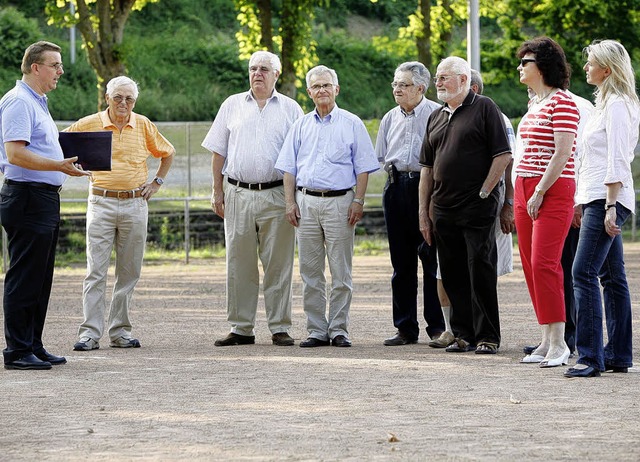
point(34, 169)
point(245, 140)
point(326, 153)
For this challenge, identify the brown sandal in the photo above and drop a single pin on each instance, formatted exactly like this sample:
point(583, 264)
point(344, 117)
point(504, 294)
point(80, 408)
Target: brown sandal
point(485, 348)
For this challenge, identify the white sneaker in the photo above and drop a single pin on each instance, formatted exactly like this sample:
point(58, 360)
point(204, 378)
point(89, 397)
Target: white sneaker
point(86, 344)
point(124, 342)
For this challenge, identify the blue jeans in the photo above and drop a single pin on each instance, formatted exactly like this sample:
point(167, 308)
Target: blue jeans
point(599, 258)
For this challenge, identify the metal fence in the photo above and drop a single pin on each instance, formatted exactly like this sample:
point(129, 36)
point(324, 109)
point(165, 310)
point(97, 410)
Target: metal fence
point(188, 181)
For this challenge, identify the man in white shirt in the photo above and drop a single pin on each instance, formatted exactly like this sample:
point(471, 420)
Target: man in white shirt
point(245, 140)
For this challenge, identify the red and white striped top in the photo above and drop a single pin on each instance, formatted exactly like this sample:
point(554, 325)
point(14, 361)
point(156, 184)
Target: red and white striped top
point(535, 141)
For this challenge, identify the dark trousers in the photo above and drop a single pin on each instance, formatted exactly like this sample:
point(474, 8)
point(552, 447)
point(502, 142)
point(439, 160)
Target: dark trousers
point(468, 258)
point(568, 255)
point(406, 246)
point(31, 218)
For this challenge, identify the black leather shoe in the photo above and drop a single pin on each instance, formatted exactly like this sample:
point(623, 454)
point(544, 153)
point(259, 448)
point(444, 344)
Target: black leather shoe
point(530, 349)
point(620, 369)
point(282, 339)
point(28, 362)
point(235, 339)
point(313, 342)
point(588, 372)
point(399, 339)
point(44, 355)
point(341, 341)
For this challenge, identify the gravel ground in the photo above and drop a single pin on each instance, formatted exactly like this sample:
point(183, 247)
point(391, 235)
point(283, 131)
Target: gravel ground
point(180, 398)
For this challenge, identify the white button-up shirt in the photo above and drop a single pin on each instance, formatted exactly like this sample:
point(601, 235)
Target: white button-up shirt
point(249, 138)
point(607, 150)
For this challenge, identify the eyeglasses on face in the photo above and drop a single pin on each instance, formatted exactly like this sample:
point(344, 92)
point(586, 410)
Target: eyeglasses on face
point(56, 66)
point(443, 78)
point(524, 61)
point(119, 98)
point(262, 69)
point(401, 85)
point(324, 86)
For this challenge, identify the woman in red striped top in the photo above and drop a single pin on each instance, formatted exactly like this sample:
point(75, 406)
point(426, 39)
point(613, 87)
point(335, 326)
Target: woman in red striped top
point(544, 189)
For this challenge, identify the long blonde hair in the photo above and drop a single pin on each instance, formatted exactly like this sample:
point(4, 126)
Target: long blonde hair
point(621, 82)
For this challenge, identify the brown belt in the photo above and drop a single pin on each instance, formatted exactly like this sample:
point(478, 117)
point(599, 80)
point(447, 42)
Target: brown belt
point(117, 194)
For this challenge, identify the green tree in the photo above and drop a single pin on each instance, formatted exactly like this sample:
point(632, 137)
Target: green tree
point(101, 24)
point(294, 18)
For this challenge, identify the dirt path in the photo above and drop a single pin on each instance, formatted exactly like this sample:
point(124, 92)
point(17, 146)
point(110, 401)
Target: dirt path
point(180, 398)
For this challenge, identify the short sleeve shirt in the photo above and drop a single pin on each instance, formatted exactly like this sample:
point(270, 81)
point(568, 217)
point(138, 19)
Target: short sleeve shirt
point(461, 146)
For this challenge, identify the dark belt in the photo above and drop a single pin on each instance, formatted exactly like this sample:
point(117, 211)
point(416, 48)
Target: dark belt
point(259, 186)
point(312, 192)
point(33, 184)
point(130, 194)
point(411, 175)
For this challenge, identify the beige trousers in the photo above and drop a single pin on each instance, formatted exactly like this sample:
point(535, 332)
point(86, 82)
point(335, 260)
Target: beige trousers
point(255, 227)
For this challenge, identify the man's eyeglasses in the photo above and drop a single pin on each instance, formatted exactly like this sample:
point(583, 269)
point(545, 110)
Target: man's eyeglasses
point(56, 66)
point(324, 86)
point(401, 85)
point(443, 78)
point(524, 61)
point(118, 99)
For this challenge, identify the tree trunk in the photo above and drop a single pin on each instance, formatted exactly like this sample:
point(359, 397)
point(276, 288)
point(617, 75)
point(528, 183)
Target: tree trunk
point(423, 38)
point(289, 32)
point(266, 24)
point(103, 43)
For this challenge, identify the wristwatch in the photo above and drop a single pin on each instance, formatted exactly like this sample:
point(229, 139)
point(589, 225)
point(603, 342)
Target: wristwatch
point(509, 202)
point(483, 194)
point(358, 201)
point(159, 181)
point(539, 191)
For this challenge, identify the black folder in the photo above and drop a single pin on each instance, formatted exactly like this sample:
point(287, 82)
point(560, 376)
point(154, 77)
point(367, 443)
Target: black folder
point(92, 148)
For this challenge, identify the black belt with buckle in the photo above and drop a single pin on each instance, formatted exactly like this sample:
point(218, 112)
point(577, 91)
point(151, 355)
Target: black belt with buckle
point(259, 186)
point(33, 184)
point(313, 192)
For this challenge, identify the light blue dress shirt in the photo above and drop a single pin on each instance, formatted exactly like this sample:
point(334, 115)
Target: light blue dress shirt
point(24, 116)
point(327, 154)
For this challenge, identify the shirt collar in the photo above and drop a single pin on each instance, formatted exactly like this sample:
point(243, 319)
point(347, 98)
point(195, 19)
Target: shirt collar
point(106, 120)
point(274, 95)
point(416, 110)
point(329, 117)
point(41, 98)
point(468, 101)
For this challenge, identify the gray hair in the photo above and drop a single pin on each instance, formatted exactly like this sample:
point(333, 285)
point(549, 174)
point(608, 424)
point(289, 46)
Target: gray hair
point(319, 70)
point(458, 66)
point(122, 81)
point(262, 55)
point(476, 79)
point(419, 73)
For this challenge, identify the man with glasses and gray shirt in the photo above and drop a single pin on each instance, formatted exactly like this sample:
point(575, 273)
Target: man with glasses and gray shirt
point(398, 145)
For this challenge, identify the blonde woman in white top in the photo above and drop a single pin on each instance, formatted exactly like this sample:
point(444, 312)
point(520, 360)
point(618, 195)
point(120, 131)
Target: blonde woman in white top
point(605, 190)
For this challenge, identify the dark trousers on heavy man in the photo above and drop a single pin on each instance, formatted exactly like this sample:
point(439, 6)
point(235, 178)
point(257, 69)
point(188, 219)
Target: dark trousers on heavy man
point(31, 218)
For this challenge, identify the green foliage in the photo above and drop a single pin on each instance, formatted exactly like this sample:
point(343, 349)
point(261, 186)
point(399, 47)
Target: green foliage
point(364, 74)
point(17, 33)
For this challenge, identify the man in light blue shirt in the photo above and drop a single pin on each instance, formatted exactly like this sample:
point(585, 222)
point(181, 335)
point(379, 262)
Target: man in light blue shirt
point(326, 153)
point(34, 169)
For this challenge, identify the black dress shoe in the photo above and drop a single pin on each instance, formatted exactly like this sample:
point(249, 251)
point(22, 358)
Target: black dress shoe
point(235, 339)
point(28, 362)
point(530, 349)
point(620, 369)
point(399, 339)
point(587, 372)
point(313, 342)
point(341, 341)
point(44, 355)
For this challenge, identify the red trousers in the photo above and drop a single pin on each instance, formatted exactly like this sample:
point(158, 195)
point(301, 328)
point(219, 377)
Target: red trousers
point(541, 241)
